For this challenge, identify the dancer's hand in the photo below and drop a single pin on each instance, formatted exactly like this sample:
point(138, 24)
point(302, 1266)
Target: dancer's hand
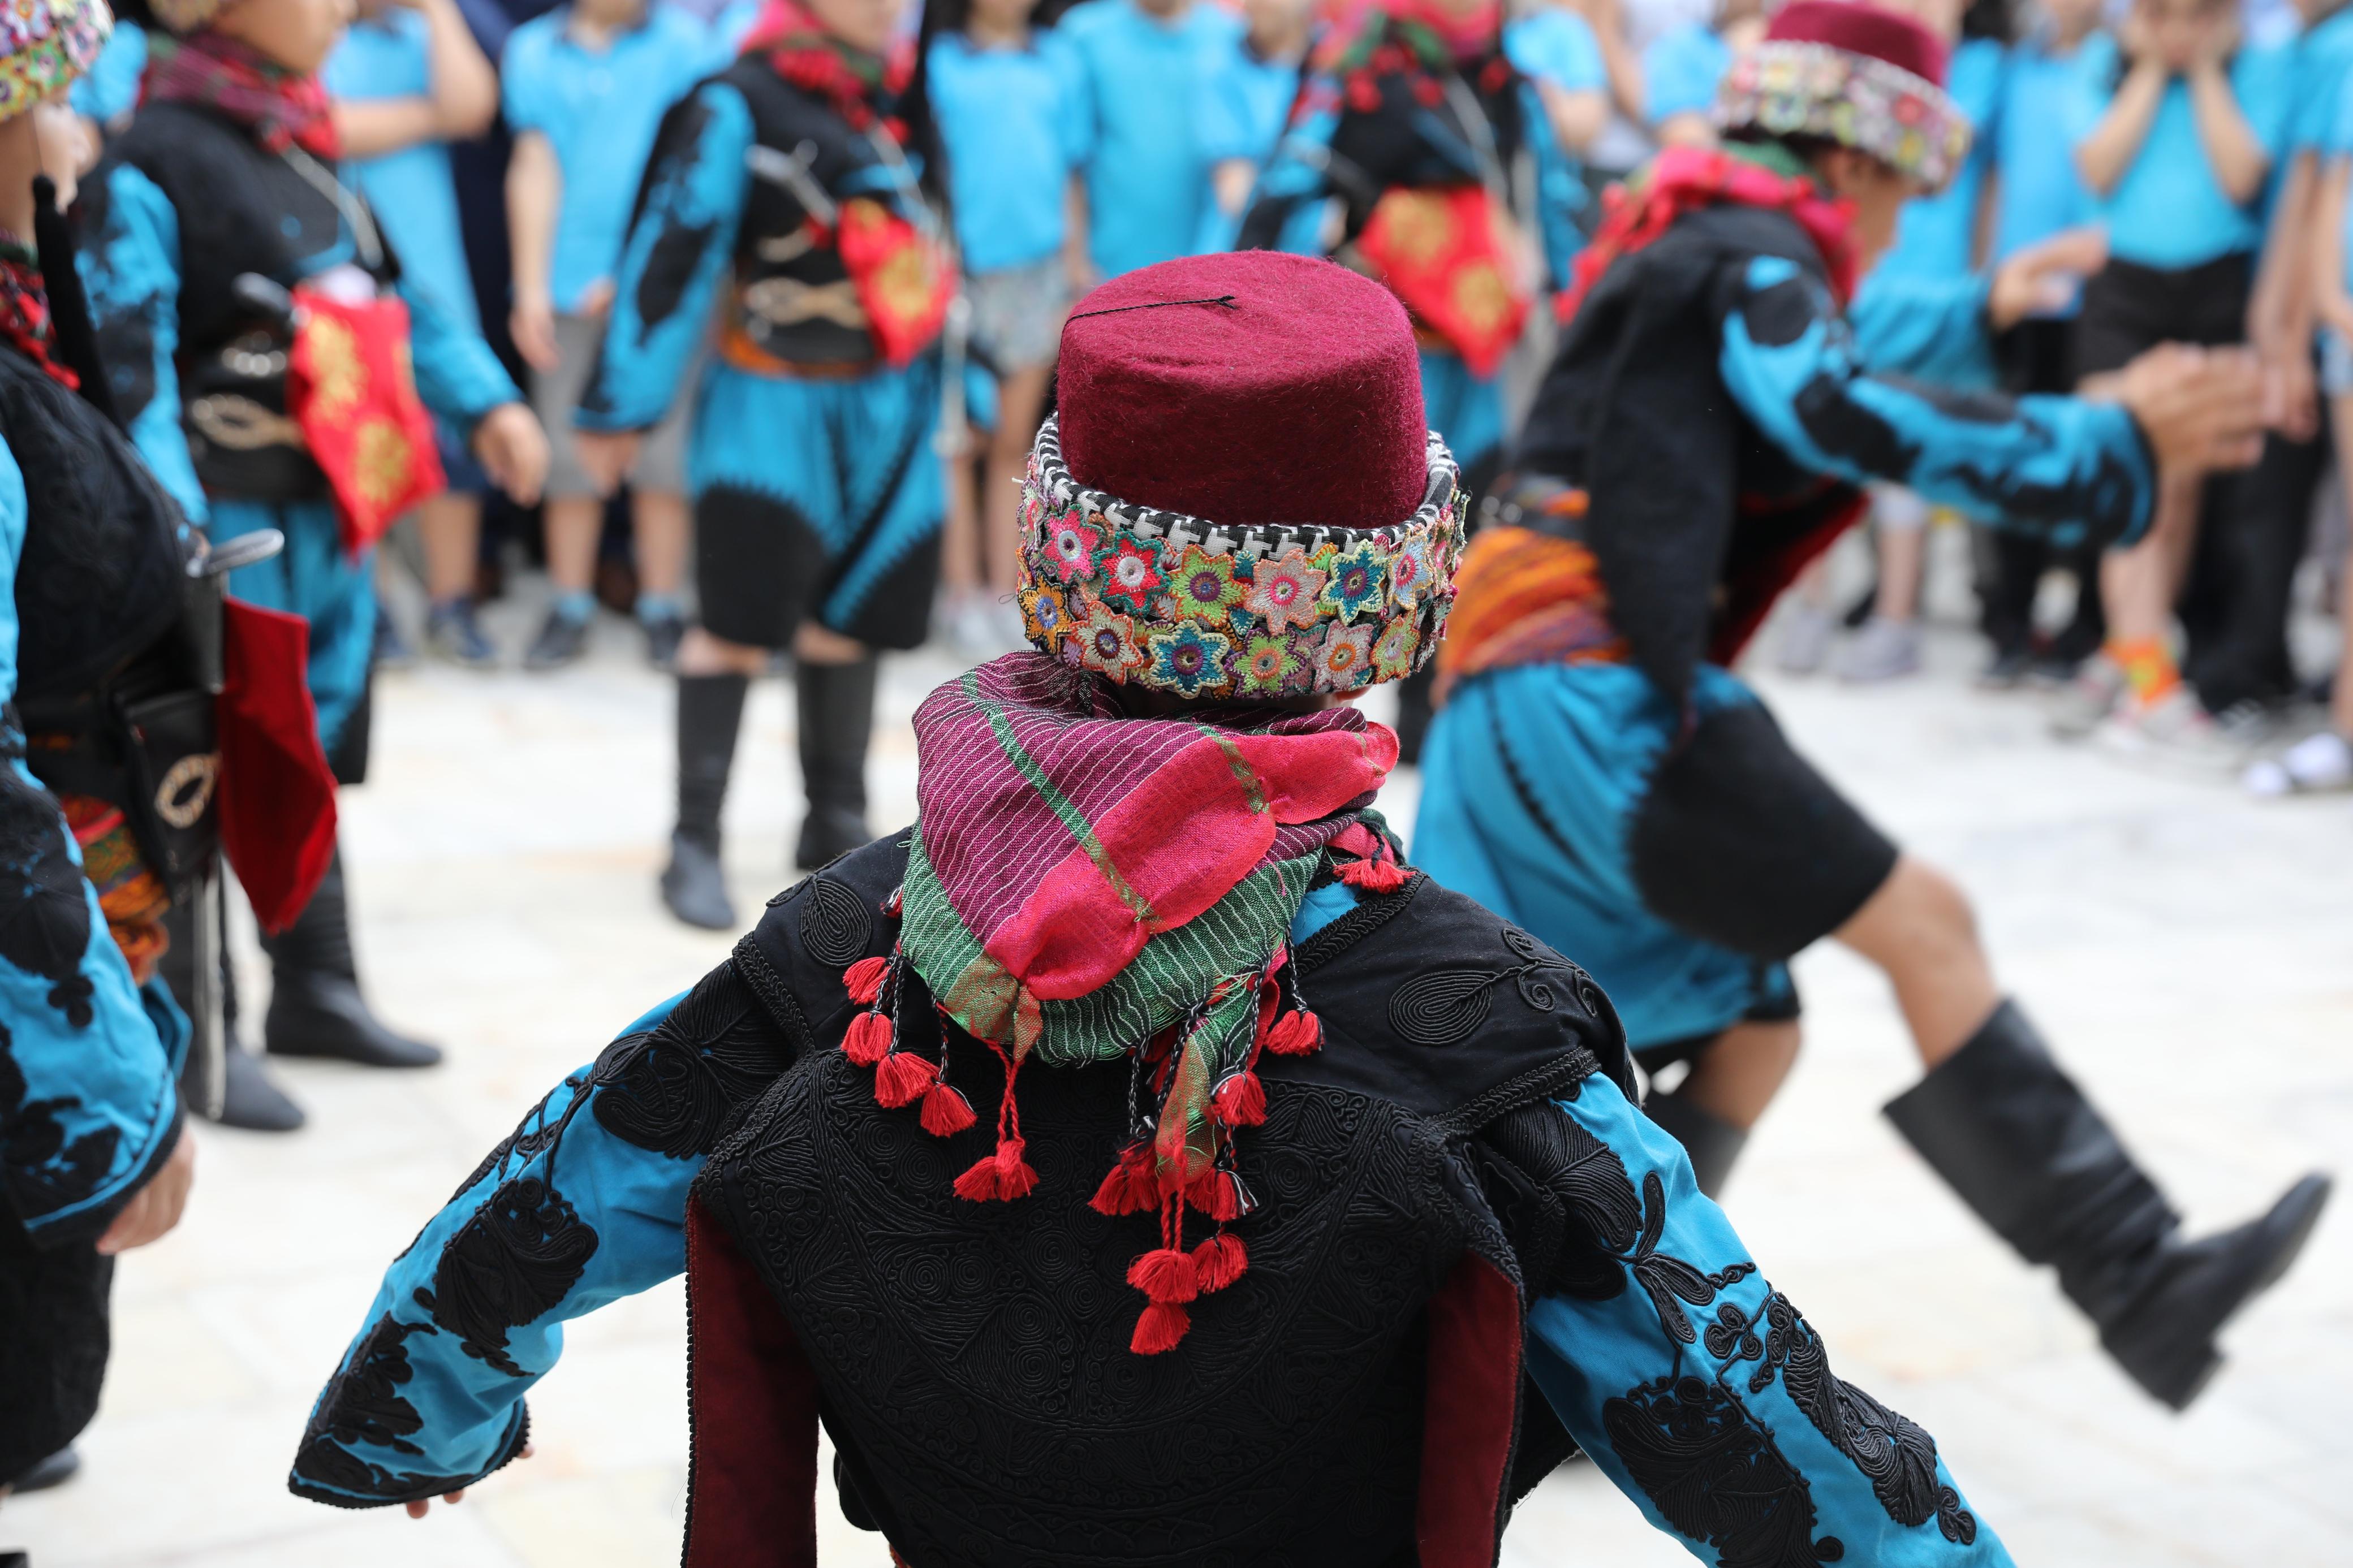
point(607, 455)
point(513, 451)
point(2200, 408)
point(157, 1207)
point(424, 1506)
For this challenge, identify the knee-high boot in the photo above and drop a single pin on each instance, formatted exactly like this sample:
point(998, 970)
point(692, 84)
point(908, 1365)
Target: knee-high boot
point(710, 713)
point(315, 1005)
point(2010, 1132)
point(1712, 1142)
point(248, 1099)
point(836, 719)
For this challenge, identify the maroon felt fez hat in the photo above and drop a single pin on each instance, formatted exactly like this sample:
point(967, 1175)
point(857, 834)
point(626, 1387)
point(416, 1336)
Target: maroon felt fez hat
point(1862, 29)
point(1855, 76)
point(1237, 494)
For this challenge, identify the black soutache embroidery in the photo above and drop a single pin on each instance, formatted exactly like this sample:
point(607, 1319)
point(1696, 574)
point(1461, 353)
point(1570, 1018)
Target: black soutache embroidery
point(515, 1257)
point(1670, 1280)
point(835, 923)
point(45, 1169)
point(673, 1090)
point(1714, 1474)
point(44, 909)
point(363, 1404)
point(1896, 1455)
point(1444, 1007)
point(324, 1463)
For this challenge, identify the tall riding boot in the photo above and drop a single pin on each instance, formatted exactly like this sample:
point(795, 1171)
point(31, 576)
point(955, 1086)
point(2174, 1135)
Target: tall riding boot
point(248, 1099)
point(836, 719)
point(2008, 1130)
point(1712, 1142)
point(710, 713)
point(315, 1007)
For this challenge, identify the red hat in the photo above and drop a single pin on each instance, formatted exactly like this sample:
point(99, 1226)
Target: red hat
point(1236, 494)
point(1854, 74)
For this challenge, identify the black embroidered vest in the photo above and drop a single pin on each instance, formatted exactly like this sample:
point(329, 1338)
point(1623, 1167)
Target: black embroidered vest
point(1359, 1388)
point(242, 210)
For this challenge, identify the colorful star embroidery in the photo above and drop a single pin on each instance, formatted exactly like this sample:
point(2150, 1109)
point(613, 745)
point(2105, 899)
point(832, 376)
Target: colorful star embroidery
point(1190, 661)
point(1359, 575)
point(1269, 665)
point(1131, 574)
point(1043, 618)
point(1202, 588)
point(1342, 660)
point(1105, 639)
point(1393, 652)
point(1071, 545)
point(1409, 575)
point(1283, 592)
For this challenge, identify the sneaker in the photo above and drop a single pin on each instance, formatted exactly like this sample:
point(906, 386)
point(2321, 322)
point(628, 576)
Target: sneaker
point(1882, 650)
point(453, 634)
point(663, 634)
point(392, 650)
point(1805, 639)
point(2081, 706)
point(561, 641)
point(2319, 764)
point(2174, 731)
point(1010, 628)
point(2007, 671)
point(973, 629)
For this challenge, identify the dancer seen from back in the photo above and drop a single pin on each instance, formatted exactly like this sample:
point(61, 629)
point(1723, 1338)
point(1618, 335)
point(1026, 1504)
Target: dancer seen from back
point(1138, 1088)
point(1598, 773)
point(818, 490)
point(258, 333)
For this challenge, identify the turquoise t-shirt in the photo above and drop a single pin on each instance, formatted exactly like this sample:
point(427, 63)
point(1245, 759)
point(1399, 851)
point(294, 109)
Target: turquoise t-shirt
point(388, 56)
point(1680, 70)
point(599, 109)
point(1556, 44)
point(2324, 59)
point(1141, 79)
point(2048, 103)
point(1936, 236)
point(2168, 211)
point(1008, 120)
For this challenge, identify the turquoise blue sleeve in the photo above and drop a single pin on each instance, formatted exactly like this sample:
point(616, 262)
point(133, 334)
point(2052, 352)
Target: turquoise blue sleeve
point(1077, 120)
point(89, 1099)
point(677, 249)
point(456, 374)
point(1701, 1390)
point(565, 1216)
point(1680, 70)
point(2061, 466)
point(1558, 46)
point(1931, 327)
point(131, 270)
point(520, 98)
point(1286, 211)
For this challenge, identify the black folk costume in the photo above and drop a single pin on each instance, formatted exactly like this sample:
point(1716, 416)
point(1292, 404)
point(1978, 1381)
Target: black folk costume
point(276, 368)
point(819, 493)
point(1599, 773)
point(1132, 1161)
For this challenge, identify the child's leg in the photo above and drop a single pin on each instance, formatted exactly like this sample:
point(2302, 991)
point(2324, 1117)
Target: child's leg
point(2340, 710)
point(2137, 587)
point(1021, 396)
point(449, 526)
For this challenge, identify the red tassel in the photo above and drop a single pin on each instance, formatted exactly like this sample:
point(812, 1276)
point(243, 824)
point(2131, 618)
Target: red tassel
point(1003, 1175)
point(869, 1039)
point(1218, 1194)
point(1133, 1186)
point(946, 1112)
point(1161, 1327)
point(1165, 1274)
point(894, 904)
point(864, 979)
point(1220, 1261)
point(1295, 1034)
point(1240, 1100)
point(1374, 875)
point(902, 1077)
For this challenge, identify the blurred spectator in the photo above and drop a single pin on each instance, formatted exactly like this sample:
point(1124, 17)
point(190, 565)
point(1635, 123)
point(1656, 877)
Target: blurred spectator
point(1143, 66)
point(407, 79)
point(1555, 49)
point(1244, 105)
point(1682, 64)
point(2178, 161)
point(587, 86)
point(1625, 30)
point(1002, 98)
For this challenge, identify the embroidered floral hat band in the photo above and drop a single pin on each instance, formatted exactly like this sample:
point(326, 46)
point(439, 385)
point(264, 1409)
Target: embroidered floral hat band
point(45, 45)
point(1167, 544)
point(1853, 75)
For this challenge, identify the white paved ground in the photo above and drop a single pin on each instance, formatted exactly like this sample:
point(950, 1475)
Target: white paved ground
point(2191, 953)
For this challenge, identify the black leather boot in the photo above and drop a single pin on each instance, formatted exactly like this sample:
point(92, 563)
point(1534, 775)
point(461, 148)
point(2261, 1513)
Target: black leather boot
point(710, 713)
point(836, 719)
point(249, 1101)
point(315, 1005)
point(1712, 1142)
point(2008, 1130)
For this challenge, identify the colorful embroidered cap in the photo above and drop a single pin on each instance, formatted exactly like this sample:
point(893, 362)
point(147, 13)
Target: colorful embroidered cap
point(43, 45)
point(1238, 497)
point(1852, 74)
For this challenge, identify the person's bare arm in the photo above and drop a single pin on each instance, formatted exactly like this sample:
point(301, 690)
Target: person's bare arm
point(2239, 161)
point(1577, 115)
point(1077, 261)
point(2330, 299)
point(1688, 128)
point(1620, 58)
point(2280, 312)
point(2103, 156)
point(463, 102)
point(535, 196)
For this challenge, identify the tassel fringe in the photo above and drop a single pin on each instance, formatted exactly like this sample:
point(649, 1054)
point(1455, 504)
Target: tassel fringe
point(946, 1112)
point(1240, 1100)
point(1165, 1274)
point(1161, 1327)
point(1219, 1262)
point(1133, 1186)
point(864, 980)
point(1295, 1034)
point(902, 1078)
point(869, 1039)
point(1000, 1176)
